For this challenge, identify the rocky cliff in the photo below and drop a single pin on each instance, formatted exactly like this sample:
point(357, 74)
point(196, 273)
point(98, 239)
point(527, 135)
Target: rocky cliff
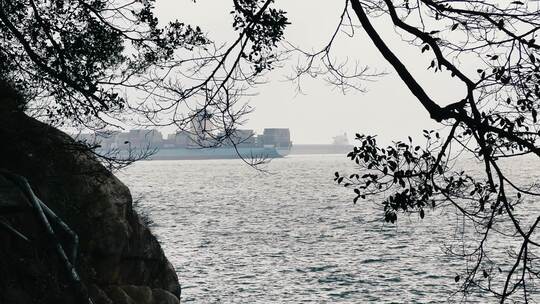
point(120, 261)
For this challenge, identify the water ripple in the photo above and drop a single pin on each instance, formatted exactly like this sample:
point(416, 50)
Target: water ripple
point(237, 236)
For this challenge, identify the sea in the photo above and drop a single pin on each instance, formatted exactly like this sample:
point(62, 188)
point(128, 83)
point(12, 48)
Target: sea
point(286, 233)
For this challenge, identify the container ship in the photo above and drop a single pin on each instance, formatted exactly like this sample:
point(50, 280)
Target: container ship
point(273, 143)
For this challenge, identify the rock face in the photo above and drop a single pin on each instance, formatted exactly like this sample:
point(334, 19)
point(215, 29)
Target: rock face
point(120, 261)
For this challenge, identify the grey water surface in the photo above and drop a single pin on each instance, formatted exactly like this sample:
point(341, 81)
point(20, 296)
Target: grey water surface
point(235, 235)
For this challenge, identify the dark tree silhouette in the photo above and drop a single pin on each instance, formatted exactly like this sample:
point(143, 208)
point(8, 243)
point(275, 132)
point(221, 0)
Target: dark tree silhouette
point(490, 47)
point(77, 61)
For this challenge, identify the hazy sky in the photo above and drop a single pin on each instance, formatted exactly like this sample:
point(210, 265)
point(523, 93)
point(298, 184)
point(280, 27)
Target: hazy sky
point(387, 108)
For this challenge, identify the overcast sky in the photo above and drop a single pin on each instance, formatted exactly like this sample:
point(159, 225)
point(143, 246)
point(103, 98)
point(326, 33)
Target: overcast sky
point(387, 109)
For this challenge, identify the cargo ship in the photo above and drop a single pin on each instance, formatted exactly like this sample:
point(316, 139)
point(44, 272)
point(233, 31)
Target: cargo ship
point(339, 145)
point(273, 143)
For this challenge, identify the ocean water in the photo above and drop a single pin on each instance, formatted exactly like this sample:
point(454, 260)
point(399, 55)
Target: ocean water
point(236, 235)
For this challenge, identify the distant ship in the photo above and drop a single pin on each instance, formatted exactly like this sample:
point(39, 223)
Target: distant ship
point(340, 140)
point(340, 145)
point(273, 143)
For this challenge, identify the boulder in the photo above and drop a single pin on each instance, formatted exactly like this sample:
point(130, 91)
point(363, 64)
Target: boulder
point(116, 248)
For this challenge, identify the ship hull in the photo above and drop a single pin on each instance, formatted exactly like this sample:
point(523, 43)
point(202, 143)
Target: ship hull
point(216, 153)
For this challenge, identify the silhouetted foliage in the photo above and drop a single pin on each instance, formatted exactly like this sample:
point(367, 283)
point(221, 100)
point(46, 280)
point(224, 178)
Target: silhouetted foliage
point(490, 47)
point(77, 53)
